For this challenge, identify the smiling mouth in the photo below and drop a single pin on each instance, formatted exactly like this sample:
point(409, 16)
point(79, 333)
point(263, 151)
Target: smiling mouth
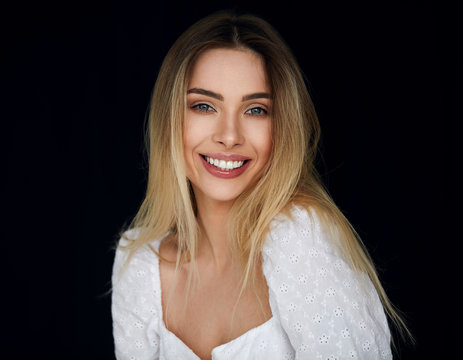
point(224, 165)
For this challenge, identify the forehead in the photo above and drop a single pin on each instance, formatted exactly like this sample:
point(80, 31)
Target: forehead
point(229, 70)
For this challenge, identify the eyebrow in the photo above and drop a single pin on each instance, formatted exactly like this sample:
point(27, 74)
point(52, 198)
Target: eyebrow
point(260, 95)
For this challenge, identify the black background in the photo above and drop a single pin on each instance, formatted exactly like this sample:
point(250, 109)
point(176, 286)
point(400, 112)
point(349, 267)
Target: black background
point(76, 80)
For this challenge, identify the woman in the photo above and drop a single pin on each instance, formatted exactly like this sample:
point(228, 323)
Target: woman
point(237, 251)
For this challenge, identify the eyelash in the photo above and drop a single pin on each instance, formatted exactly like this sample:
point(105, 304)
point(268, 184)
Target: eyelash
point(264, 112)
point(197, 108)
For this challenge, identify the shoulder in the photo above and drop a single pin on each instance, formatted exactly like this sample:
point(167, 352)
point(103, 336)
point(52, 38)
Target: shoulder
point(134, 268)
point(137, 255)
point(135, 280)
point(323, 304)
point(297, 243)
point(300, 232)
point(135, 301)
point(300, 250)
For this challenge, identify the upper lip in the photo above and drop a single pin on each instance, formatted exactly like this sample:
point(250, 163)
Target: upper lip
point(226, 157)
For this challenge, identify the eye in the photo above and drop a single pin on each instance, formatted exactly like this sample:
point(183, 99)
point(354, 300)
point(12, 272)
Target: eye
point(256, 111)
point(203, 108)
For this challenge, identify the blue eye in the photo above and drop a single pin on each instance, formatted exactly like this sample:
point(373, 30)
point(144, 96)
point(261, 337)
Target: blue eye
point(256, 111)
point(203, 107)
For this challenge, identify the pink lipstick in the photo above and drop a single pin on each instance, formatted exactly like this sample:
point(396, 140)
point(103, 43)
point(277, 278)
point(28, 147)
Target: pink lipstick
point(225, 166)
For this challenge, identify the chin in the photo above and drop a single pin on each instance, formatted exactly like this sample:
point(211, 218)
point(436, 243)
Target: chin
point(218, 192)
point(222, 196)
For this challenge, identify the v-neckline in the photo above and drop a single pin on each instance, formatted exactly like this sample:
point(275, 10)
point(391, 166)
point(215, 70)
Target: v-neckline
point(172, 335)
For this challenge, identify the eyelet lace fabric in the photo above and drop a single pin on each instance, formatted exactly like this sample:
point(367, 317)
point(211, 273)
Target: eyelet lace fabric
point(321, 308)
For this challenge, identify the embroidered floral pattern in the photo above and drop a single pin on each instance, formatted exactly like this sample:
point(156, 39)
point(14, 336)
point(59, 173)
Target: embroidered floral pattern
point(321, 310)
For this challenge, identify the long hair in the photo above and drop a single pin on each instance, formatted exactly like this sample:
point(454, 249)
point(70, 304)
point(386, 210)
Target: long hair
point(290, 178)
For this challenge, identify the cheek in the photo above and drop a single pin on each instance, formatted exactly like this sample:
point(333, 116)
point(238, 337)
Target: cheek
point(195, 131)
point(190, 137)
point(188, 144)
point(269, 140)
point(194, 134)
point(263, 139)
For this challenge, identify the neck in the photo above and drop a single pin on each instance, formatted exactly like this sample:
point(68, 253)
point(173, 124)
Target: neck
point(214, 249)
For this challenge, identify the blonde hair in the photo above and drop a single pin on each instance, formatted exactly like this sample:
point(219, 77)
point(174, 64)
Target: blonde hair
point(291, 178)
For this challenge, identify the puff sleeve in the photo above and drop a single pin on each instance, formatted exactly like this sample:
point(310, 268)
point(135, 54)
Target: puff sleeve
point(327, 311)
point(133, 307)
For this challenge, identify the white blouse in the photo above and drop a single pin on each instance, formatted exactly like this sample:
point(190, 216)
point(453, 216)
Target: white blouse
point(320, 308)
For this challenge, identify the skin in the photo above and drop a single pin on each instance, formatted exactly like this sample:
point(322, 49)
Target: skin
point(230, 123)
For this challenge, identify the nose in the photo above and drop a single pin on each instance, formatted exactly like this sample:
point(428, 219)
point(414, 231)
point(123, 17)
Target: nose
point(228, 132)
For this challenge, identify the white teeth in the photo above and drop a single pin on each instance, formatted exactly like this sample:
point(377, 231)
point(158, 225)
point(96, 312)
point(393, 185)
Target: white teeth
point(224, 165)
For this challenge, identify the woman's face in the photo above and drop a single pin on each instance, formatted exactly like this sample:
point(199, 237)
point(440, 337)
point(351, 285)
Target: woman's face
point(227, 130)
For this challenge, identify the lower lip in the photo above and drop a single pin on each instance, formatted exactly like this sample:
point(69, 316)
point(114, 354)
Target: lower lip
point(224, 174)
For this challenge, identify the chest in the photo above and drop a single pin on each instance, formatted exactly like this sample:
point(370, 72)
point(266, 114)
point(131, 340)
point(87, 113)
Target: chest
point(210, 314)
